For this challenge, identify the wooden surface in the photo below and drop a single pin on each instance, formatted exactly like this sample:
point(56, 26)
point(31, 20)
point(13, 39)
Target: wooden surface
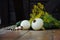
point(29, 35)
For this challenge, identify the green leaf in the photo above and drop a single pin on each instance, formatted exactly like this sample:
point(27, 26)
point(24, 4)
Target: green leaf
point(18, 23)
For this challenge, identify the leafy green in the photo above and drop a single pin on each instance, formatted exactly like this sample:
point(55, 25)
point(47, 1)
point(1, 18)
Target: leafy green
point(18, 23)
point(49, 20)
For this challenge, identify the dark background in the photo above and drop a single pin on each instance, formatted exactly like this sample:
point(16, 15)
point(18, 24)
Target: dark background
point(12, 11)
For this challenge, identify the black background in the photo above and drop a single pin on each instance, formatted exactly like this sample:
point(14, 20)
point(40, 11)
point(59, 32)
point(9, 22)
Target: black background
point(12, 11)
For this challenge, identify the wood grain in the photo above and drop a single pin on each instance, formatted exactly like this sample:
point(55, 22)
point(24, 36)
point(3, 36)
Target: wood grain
point(29, 35)
point(36, 35)
point(12, 35)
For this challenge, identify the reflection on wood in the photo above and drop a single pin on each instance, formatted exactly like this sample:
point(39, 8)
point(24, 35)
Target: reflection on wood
point(29, 35)
point(36, 35)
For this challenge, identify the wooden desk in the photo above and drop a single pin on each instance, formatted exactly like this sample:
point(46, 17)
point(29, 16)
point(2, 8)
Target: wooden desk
point(29, 35)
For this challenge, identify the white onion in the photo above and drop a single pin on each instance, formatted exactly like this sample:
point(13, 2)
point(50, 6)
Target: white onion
point(37, 24)
point(25, 24)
